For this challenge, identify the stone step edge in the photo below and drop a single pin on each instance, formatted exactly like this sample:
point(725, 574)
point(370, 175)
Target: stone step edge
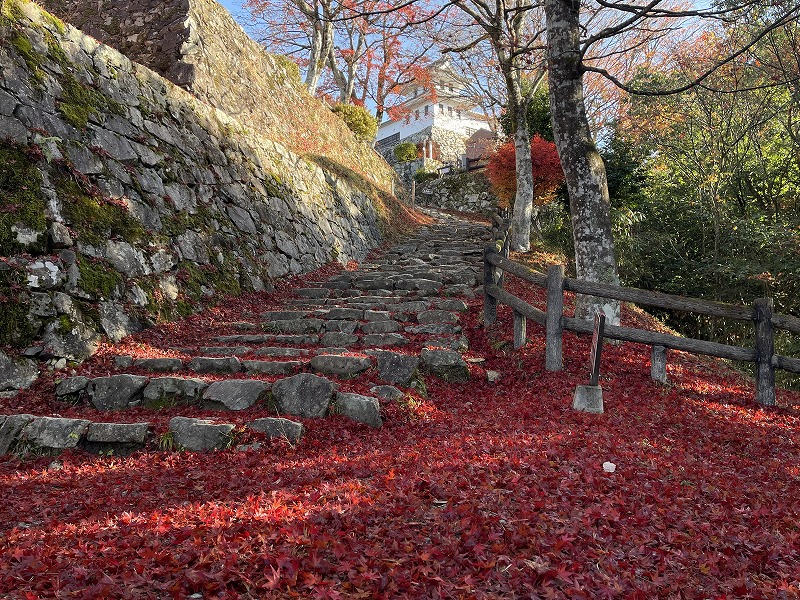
point(24, 433)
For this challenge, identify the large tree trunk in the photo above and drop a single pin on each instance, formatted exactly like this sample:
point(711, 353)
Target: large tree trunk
point(317, 56)
point(595, 258)
point(523, 202)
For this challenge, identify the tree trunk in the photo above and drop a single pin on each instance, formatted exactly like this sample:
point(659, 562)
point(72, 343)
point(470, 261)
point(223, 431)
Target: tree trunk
point(595, 258)
point(523, 202)
point(321, 46)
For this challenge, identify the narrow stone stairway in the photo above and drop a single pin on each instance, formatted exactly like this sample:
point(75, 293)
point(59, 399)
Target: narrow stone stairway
point(376, 328)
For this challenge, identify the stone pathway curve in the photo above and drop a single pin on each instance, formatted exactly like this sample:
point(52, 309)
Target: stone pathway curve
point(388, 320)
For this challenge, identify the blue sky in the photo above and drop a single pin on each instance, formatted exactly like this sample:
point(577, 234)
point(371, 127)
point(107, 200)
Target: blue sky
point(233, 6)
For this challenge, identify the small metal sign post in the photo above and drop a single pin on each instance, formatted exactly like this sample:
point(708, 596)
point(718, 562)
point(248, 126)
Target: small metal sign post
point(589, 398)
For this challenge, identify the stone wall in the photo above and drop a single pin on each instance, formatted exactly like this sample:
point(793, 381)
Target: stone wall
point(197, 45)
point(125, 199)
point(465, 192)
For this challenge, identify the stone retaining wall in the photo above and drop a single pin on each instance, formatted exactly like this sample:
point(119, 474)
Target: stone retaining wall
point(465, 192)
point(197, 45)
point(125, 199)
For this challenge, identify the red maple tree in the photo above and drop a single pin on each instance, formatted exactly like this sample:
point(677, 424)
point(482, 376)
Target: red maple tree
point(547, 172)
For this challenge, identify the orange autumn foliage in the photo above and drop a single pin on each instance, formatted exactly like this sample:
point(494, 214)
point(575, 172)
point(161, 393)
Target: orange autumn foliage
point(547, 172)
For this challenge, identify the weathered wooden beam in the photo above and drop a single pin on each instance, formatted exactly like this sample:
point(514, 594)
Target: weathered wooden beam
point(555, 311)
point(659, 300)
point(520, 330)
point(489, 303)
point(787, 363)
point(787, 322)
point(517, 304)
point(675, 342)
point(658, 364)
point(765, 350)
point(518, 270)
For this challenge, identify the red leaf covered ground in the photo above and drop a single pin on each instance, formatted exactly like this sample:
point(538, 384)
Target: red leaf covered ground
point(481, 491)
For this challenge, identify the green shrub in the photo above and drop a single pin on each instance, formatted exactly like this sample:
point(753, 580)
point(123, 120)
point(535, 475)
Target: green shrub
point(359, 120)
point(288, 65)
point(423, 175)
point(405, 152)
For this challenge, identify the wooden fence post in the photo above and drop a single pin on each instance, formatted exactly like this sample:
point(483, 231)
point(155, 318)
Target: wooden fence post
point(555, 310)
point(765, 350)
point(658, 364)
point(520, 330)
point(489, 302)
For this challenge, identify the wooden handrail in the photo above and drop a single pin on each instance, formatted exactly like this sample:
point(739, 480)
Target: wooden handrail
point(761, 314)
point(653, 338)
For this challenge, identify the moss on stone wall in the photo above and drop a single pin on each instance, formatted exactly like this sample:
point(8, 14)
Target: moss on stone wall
point(21, 200)
point(98, 278)
point(15, 327)
point(95, 219)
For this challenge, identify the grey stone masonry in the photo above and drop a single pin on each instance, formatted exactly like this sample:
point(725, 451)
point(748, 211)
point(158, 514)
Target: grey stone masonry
point(199, 196)
point(200, 434)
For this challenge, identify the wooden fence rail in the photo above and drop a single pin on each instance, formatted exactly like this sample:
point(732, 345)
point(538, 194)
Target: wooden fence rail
point(497, 263)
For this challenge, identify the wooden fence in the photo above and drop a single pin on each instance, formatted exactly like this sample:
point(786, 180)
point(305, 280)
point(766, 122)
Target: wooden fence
point(761, 313)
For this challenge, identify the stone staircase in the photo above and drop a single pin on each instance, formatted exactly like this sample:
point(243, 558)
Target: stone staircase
point(378, 326)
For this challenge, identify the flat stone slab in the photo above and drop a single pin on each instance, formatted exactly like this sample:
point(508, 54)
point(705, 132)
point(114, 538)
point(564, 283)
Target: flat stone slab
point(301, 340)
point(420, 285)
point(451, 305)
point(408, 307)
point(427, 317)
point(117, 392)
point(277, 351)
point(54, 432)
point(341, 366)
point(339, 339)
point(377, 340)
point(295, 326)
point(164, 365)
point(279, 428)
point(10, 429)
point(381, 327)
point(269, 367)
point(445, 364)
point(225, 350)
point(434, 329)
point(284, 315)
point(165, 391)
point(200, 434)
point(304, 395)
point(395, 367)
point(341, 326)
point(204, 364)
point(17, 373)
point(71, 389)
point(316, 293)
point(117, 433)
point(363, 409)
point(345, 313)
point(377, 315)
point(387, 392)
point(255, 338)
point(235, 394)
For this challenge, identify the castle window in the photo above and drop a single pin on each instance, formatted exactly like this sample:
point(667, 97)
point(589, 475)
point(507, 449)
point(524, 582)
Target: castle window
point(427, 109)
point(449, 111)
point(416, 115)
point(441, 108)
point(458, 114)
